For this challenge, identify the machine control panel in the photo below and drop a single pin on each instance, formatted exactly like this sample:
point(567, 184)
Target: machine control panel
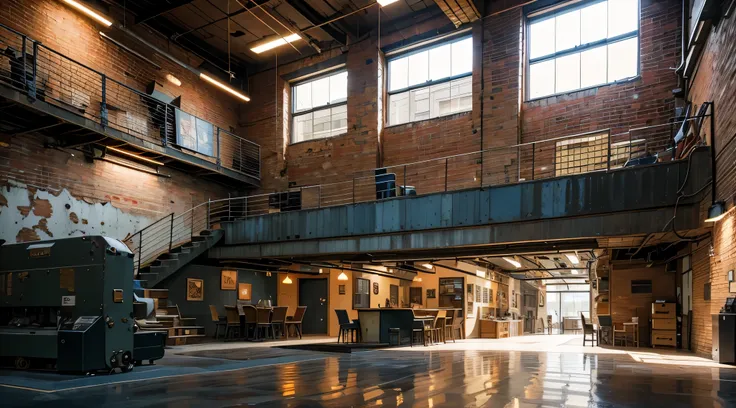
point(81, 324)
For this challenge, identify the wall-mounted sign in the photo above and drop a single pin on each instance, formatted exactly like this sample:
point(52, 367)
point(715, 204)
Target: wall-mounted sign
point(195, 290)
point(228, 280)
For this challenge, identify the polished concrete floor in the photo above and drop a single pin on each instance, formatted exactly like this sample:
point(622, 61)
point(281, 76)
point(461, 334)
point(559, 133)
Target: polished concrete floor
point(535, 372)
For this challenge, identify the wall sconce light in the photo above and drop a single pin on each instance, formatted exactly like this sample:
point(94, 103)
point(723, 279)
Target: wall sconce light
point(342, 277)
point(287, 280)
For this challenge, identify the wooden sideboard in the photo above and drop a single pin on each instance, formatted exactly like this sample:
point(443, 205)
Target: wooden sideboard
point(500, 329)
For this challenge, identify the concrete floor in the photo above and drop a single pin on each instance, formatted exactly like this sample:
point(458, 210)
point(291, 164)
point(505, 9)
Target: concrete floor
point(529, 371)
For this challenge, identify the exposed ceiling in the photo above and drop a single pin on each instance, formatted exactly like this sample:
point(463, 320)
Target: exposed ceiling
point(223, 32)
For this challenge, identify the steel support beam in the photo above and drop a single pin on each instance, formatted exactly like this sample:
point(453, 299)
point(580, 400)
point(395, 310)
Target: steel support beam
point(315, 18)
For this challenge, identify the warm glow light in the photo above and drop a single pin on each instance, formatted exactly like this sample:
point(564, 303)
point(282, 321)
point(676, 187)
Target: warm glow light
point(514, 262)
point(573, 258)
point(480, 273)
point(224, 87)
point(716, 219)
point(385, 3)
point(174, 80)
point(287, 280)
point(428, 265)
point(417, 279)
point(342, 276)
point(320, 270)
point(88, 11)
point(276, 43)
point(127, 153)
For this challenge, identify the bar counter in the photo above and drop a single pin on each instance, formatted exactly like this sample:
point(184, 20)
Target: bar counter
point(375, 322)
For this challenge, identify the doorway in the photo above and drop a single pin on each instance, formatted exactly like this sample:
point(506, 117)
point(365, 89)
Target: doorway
point(313, 295)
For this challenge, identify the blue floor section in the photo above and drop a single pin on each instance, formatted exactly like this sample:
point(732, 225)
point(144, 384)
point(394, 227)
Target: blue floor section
point(48, 381)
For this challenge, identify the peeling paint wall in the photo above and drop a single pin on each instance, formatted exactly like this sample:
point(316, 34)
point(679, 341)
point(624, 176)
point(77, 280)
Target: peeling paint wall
point(29, 214)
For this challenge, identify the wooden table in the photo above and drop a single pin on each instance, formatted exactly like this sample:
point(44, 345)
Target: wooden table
point(635, 326)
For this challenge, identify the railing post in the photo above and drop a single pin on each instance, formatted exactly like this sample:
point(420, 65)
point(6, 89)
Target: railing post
point(24, 82)
point(446, 175)
point(228, 207)
point(629, 144)
point(608, 164)
point(171, 231)
point(140, 250)
point(103, 104)
point(219, 155)
point(191, 230)
point(208, 213)
point(405, 178)
point(534, 153)
point(165, 140)
point(32, 87)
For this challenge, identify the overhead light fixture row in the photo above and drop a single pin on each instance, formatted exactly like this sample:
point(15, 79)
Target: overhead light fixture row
point(275, 43)
point(88, 11)
point(224, 87)
point(385, 3)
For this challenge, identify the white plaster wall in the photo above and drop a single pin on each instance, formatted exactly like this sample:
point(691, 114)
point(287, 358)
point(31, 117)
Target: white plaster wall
point(101, 218)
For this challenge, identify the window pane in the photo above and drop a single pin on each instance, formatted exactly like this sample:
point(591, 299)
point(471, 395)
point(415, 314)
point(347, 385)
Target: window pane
point(322, 124)
point(419, 107)
point(339, 87)
point(302, 127)
point(320, 92)
point(339, 120)
point(439, 62)
point(593, 21)
point(542, 79)
point(623, 17)
point(568, 30)
point(568, 73)
point(542, 38)
point(303, 97)
point(398, 108)
point(461, 91)
point(441, 99)
point(593, 67)
point(418, 68)
point(622, 59)
point(398, 74)
point(462, 56)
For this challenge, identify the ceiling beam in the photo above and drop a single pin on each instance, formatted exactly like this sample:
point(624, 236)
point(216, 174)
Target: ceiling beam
point(162, 8)
point(315, 18)
point(248, 5)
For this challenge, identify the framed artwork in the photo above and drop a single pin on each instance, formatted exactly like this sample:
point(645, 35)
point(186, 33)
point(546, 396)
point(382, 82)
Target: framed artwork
point(341, 289)
point(195, 290)
point(375, 288)
point(194, 133)
point(431, 293)
point(228, 279)
point(244, 292)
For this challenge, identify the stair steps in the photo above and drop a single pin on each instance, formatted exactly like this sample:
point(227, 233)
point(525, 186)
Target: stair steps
point(179, 330)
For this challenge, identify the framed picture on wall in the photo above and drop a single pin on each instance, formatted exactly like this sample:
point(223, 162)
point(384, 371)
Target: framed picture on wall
point(195, 290)
point(431, 293)
point(228, 279)
point(341, 289)
point(244, 291)
point(375, 288)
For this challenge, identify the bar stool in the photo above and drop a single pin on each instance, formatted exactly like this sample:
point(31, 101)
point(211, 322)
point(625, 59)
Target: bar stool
point(394, 331)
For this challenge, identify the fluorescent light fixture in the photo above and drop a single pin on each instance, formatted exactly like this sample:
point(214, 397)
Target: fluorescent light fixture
point(573, 258)
point(574, 272)
point(287, 280)
point(716, 212)
point(276, 43)
point(385, 3)
point(342, 277)
point(127, 153)
point(224, 87)
point(88, 11)
point(428, 266)
point(174, 80)
point(514, 262)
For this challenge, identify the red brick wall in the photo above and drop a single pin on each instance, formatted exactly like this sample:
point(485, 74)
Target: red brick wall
point(27, 163)
point(714, 81)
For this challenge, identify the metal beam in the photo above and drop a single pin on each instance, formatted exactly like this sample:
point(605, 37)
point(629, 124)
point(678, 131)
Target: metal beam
point(248, 5)
point(162, 8)
point(315, 18)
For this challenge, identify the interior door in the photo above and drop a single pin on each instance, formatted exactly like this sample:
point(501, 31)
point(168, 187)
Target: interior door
point(313, 295)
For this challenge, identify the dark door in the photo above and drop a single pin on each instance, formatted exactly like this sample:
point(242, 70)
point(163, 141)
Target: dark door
point(313, 295)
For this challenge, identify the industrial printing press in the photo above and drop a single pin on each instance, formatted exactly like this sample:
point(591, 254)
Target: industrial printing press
point(68, 304)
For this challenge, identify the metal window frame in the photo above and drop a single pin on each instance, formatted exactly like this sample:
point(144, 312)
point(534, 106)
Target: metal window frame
point(537, 16)
point(292, 112)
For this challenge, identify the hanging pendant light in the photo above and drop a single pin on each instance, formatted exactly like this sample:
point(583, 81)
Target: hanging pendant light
point(342, 277)
point(287, 280)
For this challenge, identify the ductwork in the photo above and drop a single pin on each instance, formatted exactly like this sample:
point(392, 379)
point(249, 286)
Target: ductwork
point(459, 11)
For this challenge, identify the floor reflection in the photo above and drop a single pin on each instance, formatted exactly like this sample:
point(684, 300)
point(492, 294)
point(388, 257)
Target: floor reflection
point(424, 379)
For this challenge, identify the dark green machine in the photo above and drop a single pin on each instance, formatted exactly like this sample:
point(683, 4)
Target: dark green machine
point(67, 302)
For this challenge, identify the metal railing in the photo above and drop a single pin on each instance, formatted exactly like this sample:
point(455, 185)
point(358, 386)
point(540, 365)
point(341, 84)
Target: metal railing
point(45, 74)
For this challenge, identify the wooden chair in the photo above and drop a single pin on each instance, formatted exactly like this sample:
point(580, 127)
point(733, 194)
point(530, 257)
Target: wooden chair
point(251, 319)
point(296, 321)
point(589, 329)
point(438, 330)
point(278, 320)
point(263, 321)
point(417, 330)
point(449, 333)
point(232, 321)
point(217, 321)
point(620, 335)
point(346, 326)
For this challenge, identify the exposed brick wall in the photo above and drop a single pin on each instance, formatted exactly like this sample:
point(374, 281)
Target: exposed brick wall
point(714, 80)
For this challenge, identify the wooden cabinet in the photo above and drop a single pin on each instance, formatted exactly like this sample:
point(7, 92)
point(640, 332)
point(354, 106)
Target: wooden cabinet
point(664, 324)
point(501, 329)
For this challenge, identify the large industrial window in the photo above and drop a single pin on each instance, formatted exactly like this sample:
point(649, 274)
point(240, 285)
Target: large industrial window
point(361, 293)
point(319, 107)
point(582, 46)
point(432, 82)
